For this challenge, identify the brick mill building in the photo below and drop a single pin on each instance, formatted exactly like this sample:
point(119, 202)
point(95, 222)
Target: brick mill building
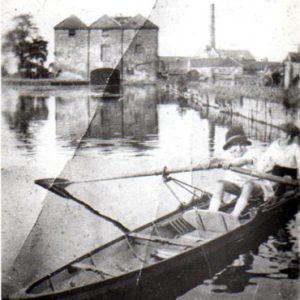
point(111, 48)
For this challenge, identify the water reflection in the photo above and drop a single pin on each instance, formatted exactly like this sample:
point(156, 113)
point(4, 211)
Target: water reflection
point(240, 267)
point(29, 112)
point(235, 277)
point(89, 119)
point(281, 251)
point(277, 255)
point(28, 109)
point(72, 117)
point(145, 119)
point(133, 117)
point(254, 130)
point(211, 137)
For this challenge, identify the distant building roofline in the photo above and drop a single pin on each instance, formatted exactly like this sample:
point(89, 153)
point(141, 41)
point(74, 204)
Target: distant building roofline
point(105, 22)
point(72, 22)
point(239, 54)
point(213, 63)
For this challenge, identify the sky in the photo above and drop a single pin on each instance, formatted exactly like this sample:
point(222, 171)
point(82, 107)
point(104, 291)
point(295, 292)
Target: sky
point(267, 28)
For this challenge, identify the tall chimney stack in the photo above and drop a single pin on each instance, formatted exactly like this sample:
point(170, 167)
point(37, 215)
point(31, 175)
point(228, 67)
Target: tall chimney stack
point(212, 27)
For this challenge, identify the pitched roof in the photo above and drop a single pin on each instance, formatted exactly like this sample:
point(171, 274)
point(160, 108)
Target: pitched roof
point(236, 54)
point(213, 63)
point(143, 22)
point(105, 22)
point(71, 22)
point(124, 22)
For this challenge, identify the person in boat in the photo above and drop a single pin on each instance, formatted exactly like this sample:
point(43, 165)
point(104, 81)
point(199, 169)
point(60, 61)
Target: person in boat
point(282, 158)
point(236, 154)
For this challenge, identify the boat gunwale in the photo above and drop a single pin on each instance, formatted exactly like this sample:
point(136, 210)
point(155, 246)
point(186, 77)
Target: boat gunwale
point(23, 292)
point(110, 281)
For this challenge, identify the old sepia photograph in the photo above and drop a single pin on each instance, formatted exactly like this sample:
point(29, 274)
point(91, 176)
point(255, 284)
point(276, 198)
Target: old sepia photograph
point(150, 149)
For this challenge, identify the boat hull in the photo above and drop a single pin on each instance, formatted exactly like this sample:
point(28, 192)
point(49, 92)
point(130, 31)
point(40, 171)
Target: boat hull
point(172, 277)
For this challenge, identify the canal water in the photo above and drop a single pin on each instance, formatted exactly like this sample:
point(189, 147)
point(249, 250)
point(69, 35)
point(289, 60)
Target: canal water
point(79, 135)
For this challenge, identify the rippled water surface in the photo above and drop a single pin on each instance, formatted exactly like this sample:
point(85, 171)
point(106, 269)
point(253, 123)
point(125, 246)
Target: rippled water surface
point(45, 132)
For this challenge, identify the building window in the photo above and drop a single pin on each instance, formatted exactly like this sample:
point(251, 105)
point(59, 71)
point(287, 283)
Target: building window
point(138, 49)
point(105, 53)
point(72, 32)
point(130, 71)
point(105, 32)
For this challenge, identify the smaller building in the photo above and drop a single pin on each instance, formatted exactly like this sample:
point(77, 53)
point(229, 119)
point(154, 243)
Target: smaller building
point(257, 67)
point(237, 55)
point(174, 65)
point(216, 66)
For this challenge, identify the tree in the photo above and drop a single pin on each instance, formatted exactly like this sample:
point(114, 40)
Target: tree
point(30, 48)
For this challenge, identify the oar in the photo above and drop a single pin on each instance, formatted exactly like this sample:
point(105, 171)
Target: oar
point(51, 185)
point(65, 182)
point(209, 164)
point(57, 185)
point(266, 176)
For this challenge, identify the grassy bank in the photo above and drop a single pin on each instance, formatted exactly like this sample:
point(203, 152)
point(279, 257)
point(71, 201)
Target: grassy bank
point(230, 93)
point(237, 91)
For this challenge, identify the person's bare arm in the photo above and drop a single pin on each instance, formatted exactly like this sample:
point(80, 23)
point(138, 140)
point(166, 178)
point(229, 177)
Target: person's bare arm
point(226, 163)
point(239, 162)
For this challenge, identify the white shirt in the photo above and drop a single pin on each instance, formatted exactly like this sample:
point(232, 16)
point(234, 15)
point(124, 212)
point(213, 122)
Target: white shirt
point(238, 178)
point(282, 155)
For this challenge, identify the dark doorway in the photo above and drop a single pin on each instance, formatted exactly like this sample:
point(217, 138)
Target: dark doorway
point(105, 76)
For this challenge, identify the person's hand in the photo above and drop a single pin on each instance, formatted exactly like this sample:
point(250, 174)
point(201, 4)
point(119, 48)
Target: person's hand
point(215, 163)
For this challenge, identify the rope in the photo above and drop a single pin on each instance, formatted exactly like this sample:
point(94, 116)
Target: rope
point(191, 192)
point(179, 182)
point(156, 229)
point(183, 185)
point(173, 193)
point(133, 251)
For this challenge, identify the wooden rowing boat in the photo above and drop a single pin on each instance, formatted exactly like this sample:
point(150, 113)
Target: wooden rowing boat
point(188, 238)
